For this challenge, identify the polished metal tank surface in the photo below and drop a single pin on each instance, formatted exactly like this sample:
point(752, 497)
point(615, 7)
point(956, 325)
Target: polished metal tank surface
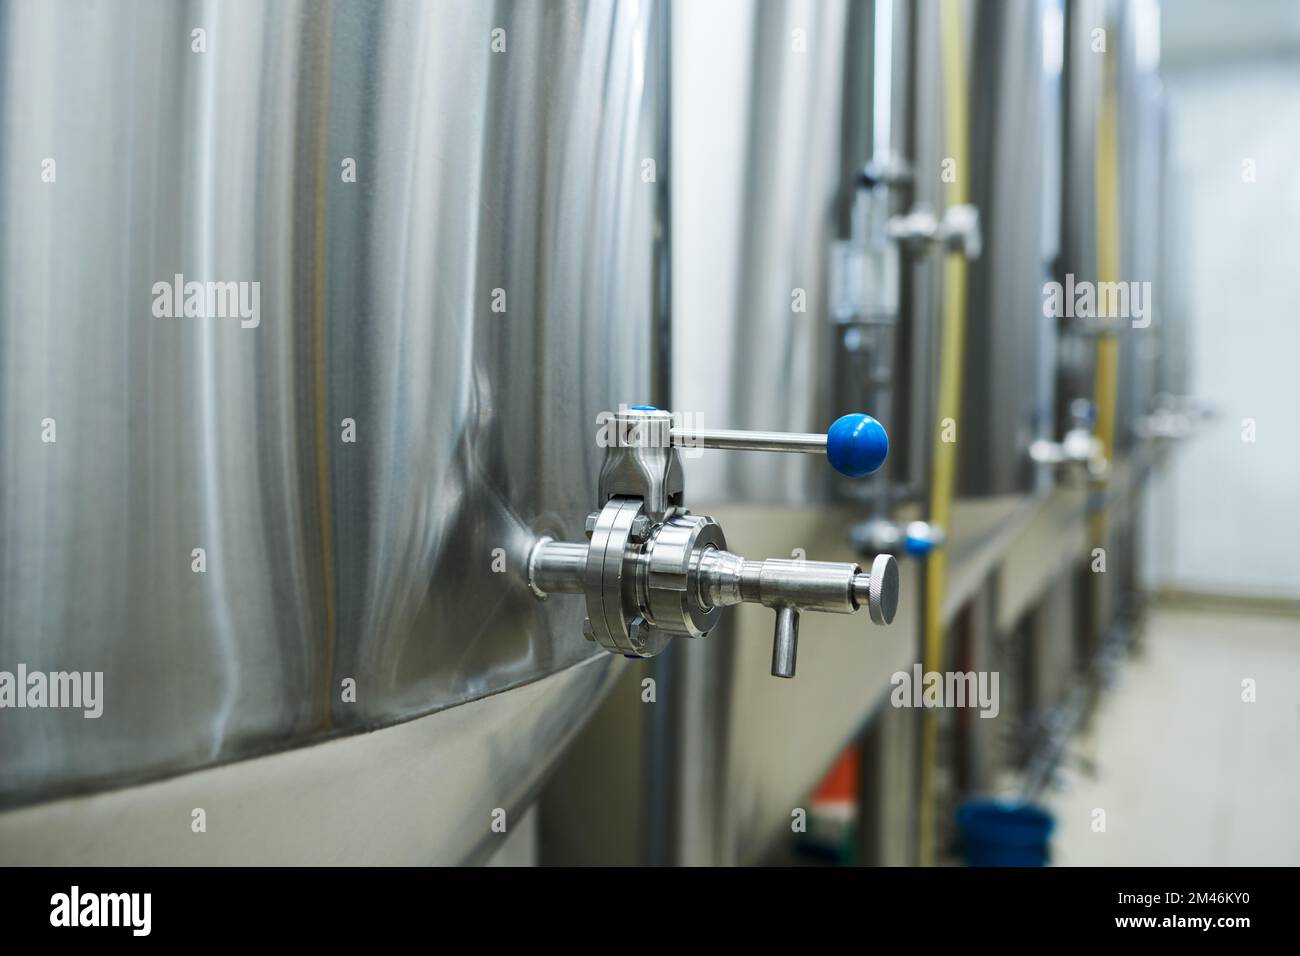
point(1127, 72)
point(1083, 81)
point(1142, 169)
point(426, 791)
point(449, 215)
point(1010, 346)
point(763, 156)
point(759, 159)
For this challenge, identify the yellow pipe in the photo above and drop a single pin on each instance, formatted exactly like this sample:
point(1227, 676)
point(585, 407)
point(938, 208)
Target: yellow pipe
point(952, 344)
point(1106, 374)
point(1108, 265)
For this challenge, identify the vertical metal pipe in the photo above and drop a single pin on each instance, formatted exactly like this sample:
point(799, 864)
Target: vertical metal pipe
point(661, 729)
point(661, 329)
point(882, 80)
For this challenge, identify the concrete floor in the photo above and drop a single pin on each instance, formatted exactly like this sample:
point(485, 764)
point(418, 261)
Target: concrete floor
point(1185, 770)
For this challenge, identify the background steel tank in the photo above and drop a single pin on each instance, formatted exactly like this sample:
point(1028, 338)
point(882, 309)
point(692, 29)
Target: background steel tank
point(774, 174)
point(450, 217)
point(708, 773)
point(1113, 162)
point(1083, 83)
point(1010, 346)
point(1142, 169)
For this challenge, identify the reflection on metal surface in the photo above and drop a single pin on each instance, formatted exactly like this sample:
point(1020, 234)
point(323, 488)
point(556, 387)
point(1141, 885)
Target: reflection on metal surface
point(1010, 346)
point(1081, 96)
point(422, 792)
point(462, 310)
point(788, 177)
point(1142, 170)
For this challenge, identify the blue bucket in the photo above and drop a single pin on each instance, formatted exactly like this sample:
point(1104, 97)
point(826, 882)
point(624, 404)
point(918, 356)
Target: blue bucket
point(1004, 834)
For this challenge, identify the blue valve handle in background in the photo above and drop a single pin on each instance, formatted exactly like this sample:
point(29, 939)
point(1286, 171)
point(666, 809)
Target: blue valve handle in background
point(856, 445)
point(917, 547)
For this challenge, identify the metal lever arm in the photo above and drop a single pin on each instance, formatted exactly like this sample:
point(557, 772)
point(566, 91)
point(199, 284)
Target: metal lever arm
point(855, 445)
point(808, 443)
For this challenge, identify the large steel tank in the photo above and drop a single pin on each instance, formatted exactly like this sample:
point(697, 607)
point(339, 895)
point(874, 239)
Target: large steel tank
point(762, 176)
point(295, 524)
point(1112, 53)
point(1083, 84)
point(1142, 170)
point(772, 121)
point(1010, 346)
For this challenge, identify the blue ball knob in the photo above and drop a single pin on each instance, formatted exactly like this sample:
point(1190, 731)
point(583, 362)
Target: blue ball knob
point(917, 547)
point(856, 445)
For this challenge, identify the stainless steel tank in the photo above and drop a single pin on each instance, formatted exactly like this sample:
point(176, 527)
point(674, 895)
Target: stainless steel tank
point(1113, 164)
point(1125, 70)
point(1083, 81)
point(710, 772)
point(1142, 170)
point(764, 151)
point(1010, 346)
point(307, 520)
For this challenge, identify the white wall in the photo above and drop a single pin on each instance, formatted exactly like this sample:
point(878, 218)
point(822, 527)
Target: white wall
point(1226, 516)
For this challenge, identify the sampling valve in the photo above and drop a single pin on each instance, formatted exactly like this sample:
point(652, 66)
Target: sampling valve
point(914, 538)
point(1080, 449)
point(865, 268)
point(651, 570)
point(1173, 417)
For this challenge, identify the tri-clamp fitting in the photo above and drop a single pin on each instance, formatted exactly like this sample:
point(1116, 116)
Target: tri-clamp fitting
point(651, 570)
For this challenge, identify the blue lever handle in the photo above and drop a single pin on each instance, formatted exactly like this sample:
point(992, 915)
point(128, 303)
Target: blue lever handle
point(917, 547)
point(856, 445)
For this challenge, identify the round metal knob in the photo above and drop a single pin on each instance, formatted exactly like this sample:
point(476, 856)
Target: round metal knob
point(879, 589)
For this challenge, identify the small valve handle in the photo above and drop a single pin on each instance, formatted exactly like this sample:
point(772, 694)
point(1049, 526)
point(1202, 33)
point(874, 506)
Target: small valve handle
point(855, 445)
point(785, 642)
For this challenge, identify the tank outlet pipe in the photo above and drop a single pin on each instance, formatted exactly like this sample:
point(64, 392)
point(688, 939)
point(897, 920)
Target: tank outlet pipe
point(650, 570)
